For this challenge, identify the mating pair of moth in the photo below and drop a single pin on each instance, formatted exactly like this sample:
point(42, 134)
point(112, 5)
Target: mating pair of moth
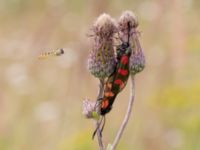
point(116, 82)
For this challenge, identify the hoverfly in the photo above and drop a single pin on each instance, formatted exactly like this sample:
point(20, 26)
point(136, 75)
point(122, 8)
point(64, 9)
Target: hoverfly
point(56, 52)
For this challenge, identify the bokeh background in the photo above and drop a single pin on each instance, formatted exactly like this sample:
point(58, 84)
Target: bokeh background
point(41, 101)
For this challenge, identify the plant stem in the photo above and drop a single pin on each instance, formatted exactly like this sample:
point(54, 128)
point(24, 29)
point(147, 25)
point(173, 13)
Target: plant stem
point(127, 116)
point(99, 136)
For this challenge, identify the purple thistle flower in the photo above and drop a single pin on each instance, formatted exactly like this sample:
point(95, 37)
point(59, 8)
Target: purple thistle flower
point(127, 25)
point(90, 110)
point(101, 61)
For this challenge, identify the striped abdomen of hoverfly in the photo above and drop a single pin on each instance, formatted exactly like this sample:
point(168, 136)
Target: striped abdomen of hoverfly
point(117, 80)
point(56, 52)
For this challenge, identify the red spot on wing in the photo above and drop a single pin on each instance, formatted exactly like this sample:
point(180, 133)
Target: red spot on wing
point(124, 60)
point(123, 72)
point(120, 83)
point(109, 94)
point(104, 103)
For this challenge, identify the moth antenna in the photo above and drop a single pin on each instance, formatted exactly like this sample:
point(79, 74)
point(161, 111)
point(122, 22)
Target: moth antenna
point(93, 135)
point(129, 28)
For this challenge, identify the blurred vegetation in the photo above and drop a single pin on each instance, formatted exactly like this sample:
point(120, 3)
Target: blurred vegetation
point(40, 101)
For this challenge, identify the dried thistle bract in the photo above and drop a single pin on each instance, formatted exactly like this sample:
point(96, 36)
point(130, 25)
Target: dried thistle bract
point(127, 25)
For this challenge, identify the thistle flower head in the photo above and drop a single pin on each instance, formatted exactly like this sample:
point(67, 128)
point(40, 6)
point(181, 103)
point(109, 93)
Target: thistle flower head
point(101, 61)
point(127, 17)
point(89, 109)
point(126, 25)
point(104, 27)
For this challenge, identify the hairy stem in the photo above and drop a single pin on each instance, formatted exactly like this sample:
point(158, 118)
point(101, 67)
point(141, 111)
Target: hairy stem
point(127, 116)
point(100, 94)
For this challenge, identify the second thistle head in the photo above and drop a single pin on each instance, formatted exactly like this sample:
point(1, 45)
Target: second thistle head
point(101, 61)
point(127, 24)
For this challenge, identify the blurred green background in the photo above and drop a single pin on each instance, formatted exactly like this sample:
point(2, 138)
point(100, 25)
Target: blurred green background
point(41, 101)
